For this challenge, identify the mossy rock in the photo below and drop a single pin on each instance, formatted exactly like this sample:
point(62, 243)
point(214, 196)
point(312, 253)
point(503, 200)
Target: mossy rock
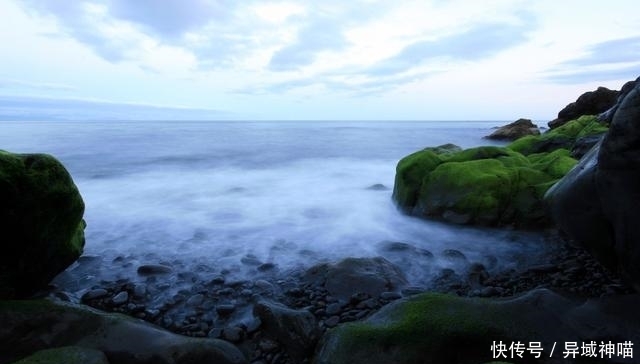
point(563, 137)
point(41, 222)
point(66, 355)
point(485, 185)
point(438, 328)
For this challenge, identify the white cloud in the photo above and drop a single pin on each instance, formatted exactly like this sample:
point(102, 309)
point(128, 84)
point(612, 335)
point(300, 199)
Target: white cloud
point(297, 55)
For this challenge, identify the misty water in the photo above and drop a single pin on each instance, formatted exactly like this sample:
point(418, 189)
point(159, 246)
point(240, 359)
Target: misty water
point(228, 196)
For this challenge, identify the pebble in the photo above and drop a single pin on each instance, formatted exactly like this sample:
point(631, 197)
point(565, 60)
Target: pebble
point(195, 300)
point(120, 298)
point(332, 321)
point(215, 333)
point(333, 309)
point(217, 280)
point(150, 269)
point(390, 296)
point(139, 290)
point(264, 285)
point(266, 267)
point(225, 291)
point(232, 334)
point(225, 309)
point(453, 254)
point(94, 293)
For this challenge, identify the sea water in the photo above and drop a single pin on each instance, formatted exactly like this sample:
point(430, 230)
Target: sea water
point(228, 194)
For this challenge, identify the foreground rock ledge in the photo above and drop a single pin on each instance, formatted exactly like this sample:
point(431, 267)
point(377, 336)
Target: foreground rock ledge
point(438, 328)
point(28, 326)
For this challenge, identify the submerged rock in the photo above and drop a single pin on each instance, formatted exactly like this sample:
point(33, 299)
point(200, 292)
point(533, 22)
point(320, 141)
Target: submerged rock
point(41, 222)
point(515, 130)
point(29, 326)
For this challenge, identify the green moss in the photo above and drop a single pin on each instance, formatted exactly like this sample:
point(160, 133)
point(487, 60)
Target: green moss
point(409, 175)
point(41, 220)
point(427, 328)
point(556, 164)
point(562, 137)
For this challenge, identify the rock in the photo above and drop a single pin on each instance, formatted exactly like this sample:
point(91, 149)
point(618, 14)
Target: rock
point(120, 298)
point(589, 103)
point(378, 187)
point(564, 137)
point(153, 269)
point(515, 130)
point(225, 309)
point(357, 275)
point(195, 300)
point(297, 330)
point(94, 293)
point(332, 321)
point(67, 355)
point(596, 204)
point(437, 328)
point(491, 186)
point(233, 334)
point(41, 222)
point(30, 326)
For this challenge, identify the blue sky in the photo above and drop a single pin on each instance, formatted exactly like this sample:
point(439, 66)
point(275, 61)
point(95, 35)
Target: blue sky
point(304, 60)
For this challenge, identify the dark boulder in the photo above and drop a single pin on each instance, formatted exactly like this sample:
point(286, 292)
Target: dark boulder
point(515, 130)
point(41, 222)
point(597, 203)
point(589, 103)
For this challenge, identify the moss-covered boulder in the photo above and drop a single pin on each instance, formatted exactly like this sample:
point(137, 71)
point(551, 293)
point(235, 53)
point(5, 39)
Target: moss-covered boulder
point(564, 137)
point(40, 222)
point(486, 185)
point(437, 328)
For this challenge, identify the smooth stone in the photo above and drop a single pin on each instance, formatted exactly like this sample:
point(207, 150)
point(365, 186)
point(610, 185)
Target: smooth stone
point(195, 300)
point(266, 267)
point(253, 325)
point(120, 298)
point(217, 280)
point(94, 293)
point(389, 296)
point(332, 321)
point(225, 309)
point(139, 290)
point(333, 308)
point(151, 269)
point(232, 334)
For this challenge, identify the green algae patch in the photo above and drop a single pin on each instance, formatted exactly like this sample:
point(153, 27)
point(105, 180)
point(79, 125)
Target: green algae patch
point(563, 137)
point(409, 174)
point(40, 219)
point(489, 186)
point(431, 328)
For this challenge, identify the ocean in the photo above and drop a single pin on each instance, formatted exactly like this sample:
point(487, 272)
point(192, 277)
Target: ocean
point(233, 195)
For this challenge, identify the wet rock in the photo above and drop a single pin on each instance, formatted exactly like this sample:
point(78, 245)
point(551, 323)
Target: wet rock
point(195, 300)
point(357, 275)
point(26, 323)
point(152, 269)
point(266, 267)
point(390, 296)
point(333, 309)
point(589, 103)
point(120, 298)
point(297, 330)
point(378, 187)
point(139, 290)
point(332, 321)
point(454, 255)
point(217, 280)
point(250, 260)
point(41, 222)
point(70, 355)
point(225, 309)
point(515, 130)
point(233, 334)
point(94, 294)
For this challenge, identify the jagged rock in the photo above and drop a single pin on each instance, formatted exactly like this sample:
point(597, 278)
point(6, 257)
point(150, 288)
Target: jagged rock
point(515, 130)
point(597, 203)
point(41, 222)
point(589, 103)
point(297, 330)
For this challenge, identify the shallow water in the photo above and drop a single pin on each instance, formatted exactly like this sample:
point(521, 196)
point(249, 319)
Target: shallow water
point(208, 194)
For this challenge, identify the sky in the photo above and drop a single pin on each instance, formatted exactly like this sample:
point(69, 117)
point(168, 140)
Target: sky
point(310, 60)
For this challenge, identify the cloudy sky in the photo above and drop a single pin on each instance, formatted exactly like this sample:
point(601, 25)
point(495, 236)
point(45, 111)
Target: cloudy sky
point(304, 60)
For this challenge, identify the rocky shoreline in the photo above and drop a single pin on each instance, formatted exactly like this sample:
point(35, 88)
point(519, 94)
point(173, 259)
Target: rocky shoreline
point(226, 309)
point(359, 309)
